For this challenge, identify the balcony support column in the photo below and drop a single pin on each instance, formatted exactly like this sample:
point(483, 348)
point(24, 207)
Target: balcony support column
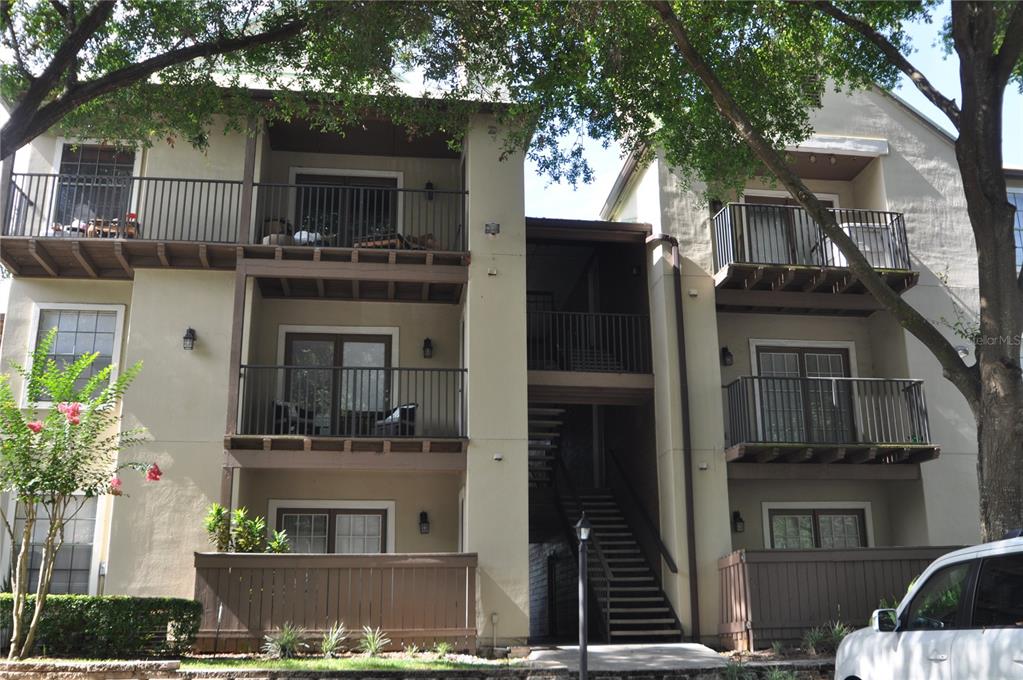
point(237, 340)
point(6, 175)
point(248, 174)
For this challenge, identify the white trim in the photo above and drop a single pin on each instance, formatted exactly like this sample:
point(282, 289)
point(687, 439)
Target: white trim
point(274, 504)
point(294, 171)
point(842, 145)
point(284, 329)
point(848, 345)
point(767, 506)
point(58, 153)
point(38, 307)
point(775, 193)
point(100, 531)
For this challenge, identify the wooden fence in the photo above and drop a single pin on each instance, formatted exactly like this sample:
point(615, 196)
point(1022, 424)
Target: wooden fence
point(413, 598)
point(769, 595)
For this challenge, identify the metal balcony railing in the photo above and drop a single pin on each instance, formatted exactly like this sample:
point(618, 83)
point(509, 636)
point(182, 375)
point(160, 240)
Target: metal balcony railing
point(584, 341)
point(352, 402)
point(783, 234)
point(766, 410)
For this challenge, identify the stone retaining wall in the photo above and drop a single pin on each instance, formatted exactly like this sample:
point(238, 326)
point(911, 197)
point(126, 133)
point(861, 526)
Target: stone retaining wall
point(89, 670)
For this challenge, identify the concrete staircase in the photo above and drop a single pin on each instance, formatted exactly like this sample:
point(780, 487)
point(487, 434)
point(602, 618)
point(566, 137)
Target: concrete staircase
point(637, 609)
point(544, 436)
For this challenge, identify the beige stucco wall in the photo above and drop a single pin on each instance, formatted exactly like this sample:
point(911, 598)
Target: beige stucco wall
point(496, 493)
point(179, 398)
point(411, 492)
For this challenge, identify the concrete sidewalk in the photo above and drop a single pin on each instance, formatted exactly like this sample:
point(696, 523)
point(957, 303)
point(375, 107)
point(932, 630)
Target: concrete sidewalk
point(682, 656)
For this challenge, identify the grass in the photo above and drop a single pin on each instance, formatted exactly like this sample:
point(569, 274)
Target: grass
point(348, 663)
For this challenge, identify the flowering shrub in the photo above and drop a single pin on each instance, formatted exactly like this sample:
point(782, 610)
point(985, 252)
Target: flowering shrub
point(52, 457)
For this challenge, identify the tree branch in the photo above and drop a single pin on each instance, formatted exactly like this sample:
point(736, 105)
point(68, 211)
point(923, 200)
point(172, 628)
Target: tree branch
point(49, 115)
point(897, 59)
point(965, 378)
point(1012, 46)
point(19, 60)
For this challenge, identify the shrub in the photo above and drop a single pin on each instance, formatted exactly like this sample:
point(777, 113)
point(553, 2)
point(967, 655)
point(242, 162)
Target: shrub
point(279, 542)
point(736, 670)
point(813, 640)
point(248, 534)
point(373, 641)
point(333, 640)
point(285, 642)
point(778, 648)
point(779, 674)
point(411, 649)
point(112, 627)
point(825, 639)
point(442, 648)
point(218, 526)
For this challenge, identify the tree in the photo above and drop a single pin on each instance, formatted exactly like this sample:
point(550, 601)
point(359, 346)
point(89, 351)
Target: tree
point(53, 459)
point(722, 88)
point(139, 70)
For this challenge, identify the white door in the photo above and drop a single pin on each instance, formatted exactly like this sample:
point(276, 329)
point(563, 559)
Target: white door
point(930, 625)
point(991, 647)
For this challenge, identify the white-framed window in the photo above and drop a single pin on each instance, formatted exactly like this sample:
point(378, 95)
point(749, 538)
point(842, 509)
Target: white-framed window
point(1016, 199)
point(72, 570)
point(81, 329)
point(339, 527)
point(813, 525)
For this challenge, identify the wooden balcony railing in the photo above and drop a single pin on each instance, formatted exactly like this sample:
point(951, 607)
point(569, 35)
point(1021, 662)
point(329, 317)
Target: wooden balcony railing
point(211, 211)
point(359, 216)
point(786, 235)
point(585, 341)
point(422, 598)
point(769, 595)
point(769, 410)
point(352, 402)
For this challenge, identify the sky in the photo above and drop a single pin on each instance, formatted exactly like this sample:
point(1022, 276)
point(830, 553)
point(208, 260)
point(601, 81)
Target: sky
point(544, 199)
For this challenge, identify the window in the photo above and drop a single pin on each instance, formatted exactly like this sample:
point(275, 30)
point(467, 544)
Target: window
point(999, 599)
point(335, 530)
point(936, 604)
point(73, 564)
point(95, 183)
point(81, 330)
point(796, 408)
point(799, 529)
point(1016, 198)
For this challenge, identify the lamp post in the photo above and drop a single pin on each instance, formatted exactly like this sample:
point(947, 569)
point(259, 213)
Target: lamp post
point(582, 530)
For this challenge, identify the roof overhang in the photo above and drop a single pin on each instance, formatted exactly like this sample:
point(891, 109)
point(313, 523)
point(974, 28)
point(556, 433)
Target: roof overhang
point(554, 229)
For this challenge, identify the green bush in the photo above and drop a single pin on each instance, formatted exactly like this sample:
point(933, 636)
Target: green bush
point(111, 627)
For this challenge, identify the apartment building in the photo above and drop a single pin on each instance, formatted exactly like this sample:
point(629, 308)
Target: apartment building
point(366, 341)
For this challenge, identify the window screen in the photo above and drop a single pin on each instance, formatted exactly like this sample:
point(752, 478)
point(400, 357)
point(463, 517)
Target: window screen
point(80, 332)
point(95, 182)
point(74, 559)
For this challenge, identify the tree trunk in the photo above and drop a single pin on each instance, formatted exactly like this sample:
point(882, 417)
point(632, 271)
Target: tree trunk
point(54, 540)
point(20, 584)
point(1000, 458)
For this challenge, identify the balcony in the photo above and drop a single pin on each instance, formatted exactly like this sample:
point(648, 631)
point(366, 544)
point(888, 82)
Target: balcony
point(423, 598)
point(105, 226)
point(769, 595)
point(306, 416)
point(827, 420)
point(588, 355)
point(777, 258)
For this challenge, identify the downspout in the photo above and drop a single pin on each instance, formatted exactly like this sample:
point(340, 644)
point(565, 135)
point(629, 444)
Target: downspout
point(687, 437)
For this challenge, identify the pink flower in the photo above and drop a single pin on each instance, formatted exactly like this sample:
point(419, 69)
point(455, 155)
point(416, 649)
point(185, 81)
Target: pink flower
point(71, 410)
point(115, 486)
point(36, 426)
point(154, 473)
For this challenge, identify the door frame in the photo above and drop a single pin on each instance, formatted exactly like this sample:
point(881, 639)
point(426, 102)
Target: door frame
point(775, 193)
point(274, 504)
point(755, 344)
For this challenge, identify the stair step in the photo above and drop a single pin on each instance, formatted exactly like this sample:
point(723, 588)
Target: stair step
point(656, 621)
point(546, 446)
point(632, 599)
point(539, 422)
point(637, 610)
point(674, 632)
point(544, 411)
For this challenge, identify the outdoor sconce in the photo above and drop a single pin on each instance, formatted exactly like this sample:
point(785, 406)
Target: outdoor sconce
point(188, 342)
point(429, 191)
point(582, 528)
point(424, 523)
point(427, 348)
point(492, 229)
point(738, 523)
point(726, 357)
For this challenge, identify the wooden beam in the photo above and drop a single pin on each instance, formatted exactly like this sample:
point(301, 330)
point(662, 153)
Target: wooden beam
point(125, 265)
point(235, 361)
point(362, 271)
point(767, 455)
point(320, 289)
point(285, 287)
point(248, 175)
point(775, 299)
point(227, 487)
point(802, 471)
point(161, 254)
point(754, 277)
point(816, 280)
point(6, 178)
point(799, 455)
point(845, 284)
point(784, 278)
point(862, 456)
point(204, 257)
point(37, 251)
point(83, 259)
point(831, 456)
point(12, 266)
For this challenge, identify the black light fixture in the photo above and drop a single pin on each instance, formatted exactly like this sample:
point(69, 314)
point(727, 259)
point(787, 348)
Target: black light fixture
point(427, 348)
point(429, 191)
point(726, 357)
point(738, 523)
point(424, 523)
point(582, 531)
point(188, 342)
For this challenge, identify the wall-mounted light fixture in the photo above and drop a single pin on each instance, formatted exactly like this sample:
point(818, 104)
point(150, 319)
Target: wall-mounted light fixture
point(188, 342)
point(492, 229)
point(962, 351)
point(429, 191)
point(424, 523)
point(427, 348)
point(726, 357)
point(738, 523)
